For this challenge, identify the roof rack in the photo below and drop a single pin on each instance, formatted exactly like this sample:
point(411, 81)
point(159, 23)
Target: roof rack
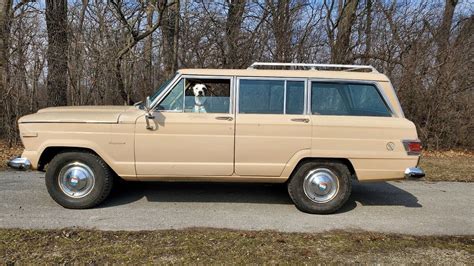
point(315, 66)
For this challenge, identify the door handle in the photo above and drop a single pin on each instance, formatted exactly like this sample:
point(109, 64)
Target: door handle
point(303, 120)
point(228, 118)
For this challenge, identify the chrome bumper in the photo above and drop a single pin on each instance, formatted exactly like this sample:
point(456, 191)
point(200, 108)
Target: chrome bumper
point(414, 172)
point(19, 163)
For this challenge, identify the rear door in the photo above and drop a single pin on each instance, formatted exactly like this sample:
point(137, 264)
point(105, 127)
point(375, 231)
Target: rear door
point(272, 124)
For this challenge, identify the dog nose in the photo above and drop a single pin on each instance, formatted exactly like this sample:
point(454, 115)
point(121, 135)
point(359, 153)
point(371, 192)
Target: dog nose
point(200, 92)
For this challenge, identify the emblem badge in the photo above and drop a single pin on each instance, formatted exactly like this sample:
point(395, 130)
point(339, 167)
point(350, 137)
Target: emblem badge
point(390, 146)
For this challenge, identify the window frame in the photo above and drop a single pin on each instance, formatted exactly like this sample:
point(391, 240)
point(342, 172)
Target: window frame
point(376, 84)
point(305, 99)
point(178, 78)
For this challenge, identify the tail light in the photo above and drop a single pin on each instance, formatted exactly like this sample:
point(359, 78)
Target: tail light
point(413, 147)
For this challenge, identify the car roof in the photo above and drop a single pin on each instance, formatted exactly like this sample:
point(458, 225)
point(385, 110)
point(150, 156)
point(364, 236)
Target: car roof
point(272, 73)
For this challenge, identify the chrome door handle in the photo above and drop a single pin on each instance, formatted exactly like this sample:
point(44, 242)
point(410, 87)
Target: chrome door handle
point(228, 118)
point(304, 120)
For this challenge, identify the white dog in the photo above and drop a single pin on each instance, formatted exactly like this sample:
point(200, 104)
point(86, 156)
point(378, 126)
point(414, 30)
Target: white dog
point(199, 91)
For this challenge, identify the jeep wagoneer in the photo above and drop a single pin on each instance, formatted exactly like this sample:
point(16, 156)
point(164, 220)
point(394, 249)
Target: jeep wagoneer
point(314, 127)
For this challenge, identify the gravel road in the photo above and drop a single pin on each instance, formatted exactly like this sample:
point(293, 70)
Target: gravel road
point(409, 207)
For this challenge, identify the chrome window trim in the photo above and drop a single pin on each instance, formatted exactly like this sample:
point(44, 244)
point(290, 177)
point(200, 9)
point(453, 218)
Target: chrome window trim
point(237, 92)
point(351, 81)
point(165, 91)
point(179, 77)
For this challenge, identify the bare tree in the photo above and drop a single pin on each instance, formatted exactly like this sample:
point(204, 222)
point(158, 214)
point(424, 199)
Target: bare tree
point(56, 21)
point(170, 30)
point(119, 50)
point(233, 25)
point(340, 51)
point(132, 26)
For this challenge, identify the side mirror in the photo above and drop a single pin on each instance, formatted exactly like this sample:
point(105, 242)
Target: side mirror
point(149, 113)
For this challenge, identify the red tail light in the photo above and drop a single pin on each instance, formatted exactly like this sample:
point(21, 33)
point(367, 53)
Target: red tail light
point(413, 147)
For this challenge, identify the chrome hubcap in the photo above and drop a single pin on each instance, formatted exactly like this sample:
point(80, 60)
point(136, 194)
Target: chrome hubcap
point(76, 180)
point(320, 185)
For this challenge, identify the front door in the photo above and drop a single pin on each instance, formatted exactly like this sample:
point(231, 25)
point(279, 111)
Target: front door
point(192, 131)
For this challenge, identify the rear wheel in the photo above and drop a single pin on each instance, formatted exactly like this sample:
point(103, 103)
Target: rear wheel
point(320, 186)
point(78, 180)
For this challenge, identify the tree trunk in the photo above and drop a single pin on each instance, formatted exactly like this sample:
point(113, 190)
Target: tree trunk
point(368, 32)
point(5, 22)
point(5, 109)
point(232, 31)
point(149, 49)
point(340, 52)
point(443, 33)
point(281, 27)
point(56, 22)
point(170, 30)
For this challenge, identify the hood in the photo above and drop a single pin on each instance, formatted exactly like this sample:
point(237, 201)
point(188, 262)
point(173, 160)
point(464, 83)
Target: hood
point(77, 114)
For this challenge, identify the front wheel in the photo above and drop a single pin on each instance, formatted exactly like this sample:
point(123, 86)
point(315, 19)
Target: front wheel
point(320, 186)
point(78, 180)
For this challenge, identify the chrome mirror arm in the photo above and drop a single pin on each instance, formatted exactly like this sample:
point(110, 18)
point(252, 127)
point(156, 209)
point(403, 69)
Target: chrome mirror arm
point(149, 113)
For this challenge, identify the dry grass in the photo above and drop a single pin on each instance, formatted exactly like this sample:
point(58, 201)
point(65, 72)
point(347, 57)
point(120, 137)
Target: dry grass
point(205, 246)
point(438, 165)
point(448, 169)
point(6, 153)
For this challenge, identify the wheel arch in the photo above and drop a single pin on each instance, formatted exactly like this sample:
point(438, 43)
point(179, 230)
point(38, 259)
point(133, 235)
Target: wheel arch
point(344, 161)
point(51, 151)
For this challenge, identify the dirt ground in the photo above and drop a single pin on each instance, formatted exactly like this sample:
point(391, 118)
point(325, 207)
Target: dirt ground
point(228, 246)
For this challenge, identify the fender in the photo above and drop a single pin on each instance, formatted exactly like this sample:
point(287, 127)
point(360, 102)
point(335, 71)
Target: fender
point(124, 169)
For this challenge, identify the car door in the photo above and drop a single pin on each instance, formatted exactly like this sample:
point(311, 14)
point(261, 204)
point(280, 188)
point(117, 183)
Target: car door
point(188, 141)
point(272, 125)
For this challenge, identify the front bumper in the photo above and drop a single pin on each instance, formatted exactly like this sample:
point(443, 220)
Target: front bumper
point(19, 163)
point(414, 173)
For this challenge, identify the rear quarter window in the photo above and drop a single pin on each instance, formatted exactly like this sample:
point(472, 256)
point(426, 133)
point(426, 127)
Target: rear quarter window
point(349, 99)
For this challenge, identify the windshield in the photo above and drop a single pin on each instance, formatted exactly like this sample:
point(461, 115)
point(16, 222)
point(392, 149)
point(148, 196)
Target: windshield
point(161, 88)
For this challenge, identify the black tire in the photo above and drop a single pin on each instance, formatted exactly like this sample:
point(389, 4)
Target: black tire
point(100, 190)
point(304, 202)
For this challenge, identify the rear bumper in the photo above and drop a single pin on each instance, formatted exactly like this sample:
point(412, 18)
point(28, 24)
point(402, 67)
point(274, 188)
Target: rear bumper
point(414, 173)
point(19, 163)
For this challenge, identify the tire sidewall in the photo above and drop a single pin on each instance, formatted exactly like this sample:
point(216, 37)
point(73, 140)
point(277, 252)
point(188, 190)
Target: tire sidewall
point(52, 179)
point(304, 203)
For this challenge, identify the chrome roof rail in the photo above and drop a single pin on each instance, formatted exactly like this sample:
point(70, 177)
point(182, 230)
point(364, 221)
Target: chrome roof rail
point(333, 67)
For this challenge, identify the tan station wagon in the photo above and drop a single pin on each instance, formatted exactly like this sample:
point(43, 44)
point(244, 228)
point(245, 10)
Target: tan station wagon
point(314, 127)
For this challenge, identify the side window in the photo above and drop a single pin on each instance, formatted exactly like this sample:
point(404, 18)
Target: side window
point(295, 97)
point(261, 96)
point(193, 95)
point(347, 99)
point(326, 99)
point(207, 96)
point(174, 100)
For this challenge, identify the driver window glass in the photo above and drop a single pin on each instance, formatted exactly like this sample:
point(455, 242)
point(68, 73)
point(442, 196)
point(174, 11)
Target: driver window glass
point(174, 100)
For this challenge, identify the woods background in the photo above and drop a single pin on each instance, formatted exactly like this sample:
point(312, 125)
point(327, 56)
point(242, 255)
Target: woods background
point(93, 52)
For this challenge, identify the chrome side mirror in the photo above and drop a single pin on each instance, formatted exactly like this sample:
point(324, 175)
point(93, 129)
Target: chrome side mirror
point(149, 113)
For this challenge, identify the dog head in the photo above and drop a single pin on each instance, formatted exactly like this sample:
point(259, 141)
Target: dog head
point(199, 90)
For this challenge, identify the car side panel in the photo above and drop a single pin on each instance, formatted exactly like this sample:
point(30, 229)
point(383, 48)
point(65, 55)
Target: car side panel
point(265, 143)
point(372, 144)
